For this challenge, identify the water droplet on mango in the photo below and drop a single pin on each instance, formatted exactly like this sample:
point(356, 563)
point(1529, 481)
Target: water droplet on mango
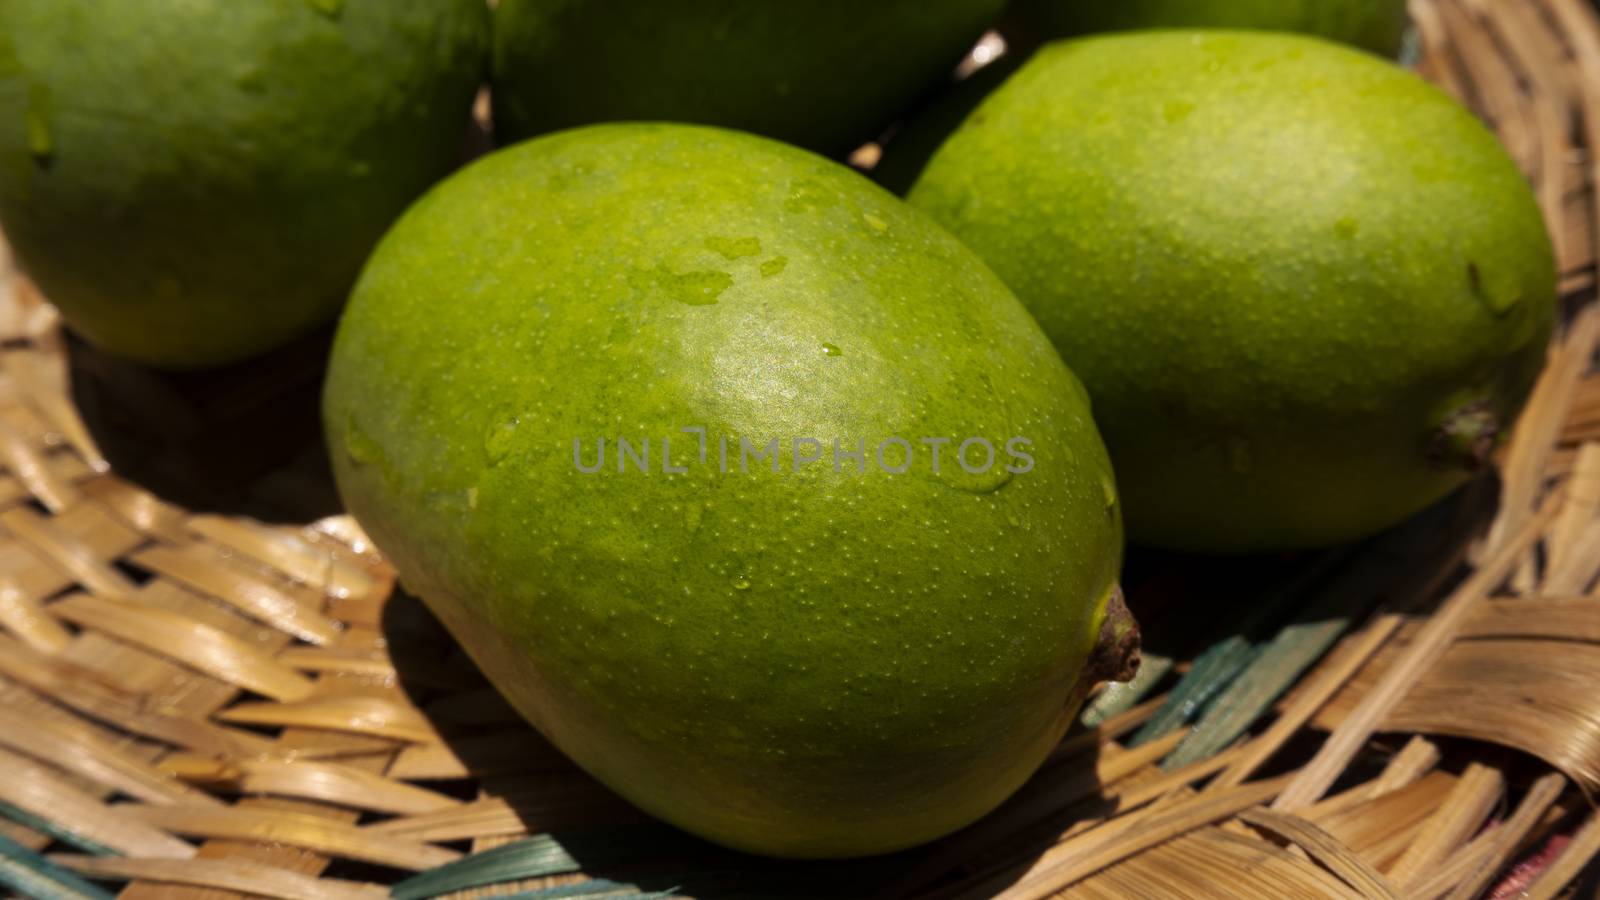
point(734, 248)
point(498, 440)
point(359, 446)
point(36, 124)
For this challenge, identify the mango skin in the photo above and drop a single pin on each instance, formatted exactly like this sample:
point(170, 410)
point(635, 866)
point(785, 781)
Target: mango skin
point(801, 665)
point(1376, 25)
point(195, 183)
point(823, 74)
point(1283, 269)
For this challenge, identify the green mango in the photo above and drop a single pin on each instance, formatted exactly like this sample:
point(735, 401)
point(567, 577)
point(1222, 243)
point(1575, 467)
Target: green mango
point(823, 74)
point(800, 653)
point(195, 183)
point(1306, 289)
point(1377, 25)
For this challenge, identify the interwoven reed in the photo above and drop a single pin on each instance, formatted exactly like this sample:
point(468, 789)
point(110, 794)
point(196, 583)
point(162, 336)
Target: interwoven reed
point(194, 703)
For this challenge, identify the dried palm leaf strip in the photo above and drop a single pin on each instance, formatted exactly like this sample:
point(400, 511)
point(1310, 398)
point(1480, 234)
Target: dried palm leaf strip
point(387, 717)
point(1309, 634)
point(1578, 854)
point(326, 659)
point(1535, 49)
point(254, 879)
point(34, 316)
point(1534, 695)
point(366, 609)
point(83, 690)
point(517, 808)
point(32, 575)
point(39, 371)
point(24, 617)
point(1579, 567)
point(1112, 728)
point(1431, 644)
point(139, 508)
point(35, 789)
point(539, 856)
point(193, 644)
point(1574, 619)
point(1414, 762)
point(1381, 828)
point(1325, 849)
point(1213, 864)
point(68, 553)
point(1315, 693)
point(345, 530)
point(1216, 673)
point(281, 549)
point(1585, 410)
point(1540, 427)
point(30, 467)
point(295, 829)
point(34, 429)
point(1404, 769)
point(69, 468)
point(1582, 507)
point(1090, 791)
point(33, 876)
point(1494, 85)
point(68, 743)
point(1442, 67)
point(292, 744)
point(1106, 814)
point(1466, 874)
point(1079, 857)
point(341, 785)
point(1474, 797)
point(1579, 23)
point(201, 568)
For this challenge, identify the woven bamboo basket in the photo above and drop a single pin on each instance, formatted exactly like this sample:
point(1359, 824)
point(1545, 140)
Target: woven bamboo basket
point(202, 695)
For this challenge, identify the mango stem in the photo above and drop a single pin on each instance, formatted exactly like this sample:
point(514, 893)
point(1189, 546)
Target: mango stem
point(1467, 438)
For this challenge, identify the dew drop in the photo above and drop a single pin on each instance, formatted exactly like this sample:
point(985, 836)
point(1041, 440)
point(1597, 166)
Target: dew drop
point(1501, 295)
point(498, 440)
point(359, 447)
point(696, 288)
point(734, 248)
point(36, 124)
point(831, 350)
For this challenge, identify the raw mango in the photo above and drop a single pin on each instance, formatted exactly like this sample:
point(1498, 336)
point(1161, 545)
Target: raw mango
point(824, 74)
point(646, 414)
point(1307, 291)
point(1376, 25)
point(194, 183)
